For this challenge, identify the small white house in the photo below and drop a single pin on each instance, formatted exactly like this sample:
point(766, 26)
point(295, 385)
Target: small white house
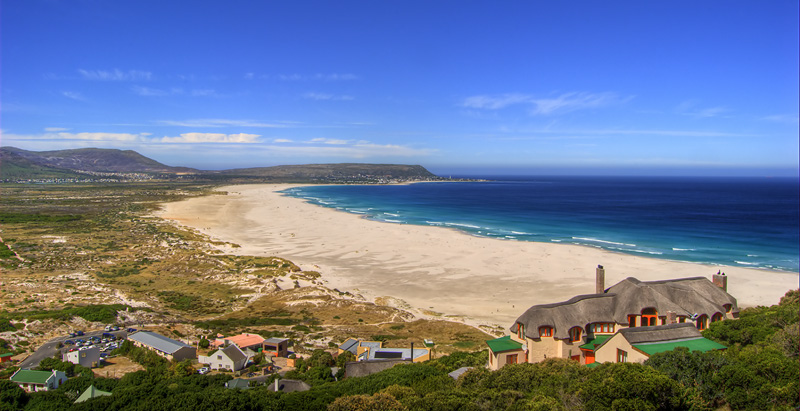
point(228, 358)
point(33, 381)
point(86, 357)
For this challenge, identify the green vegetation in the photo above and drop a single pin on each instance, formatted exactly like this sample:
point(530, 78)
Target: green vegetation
point(106, 313)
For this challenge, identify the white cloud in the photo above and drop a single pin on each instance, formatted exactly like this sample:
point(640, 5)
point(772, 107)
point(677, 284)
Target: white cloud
point(563, 103)
point(115, 75)
point(240, 138)
point(55, 129)
point(690, 108)
point(323, 96)
point(154, 92)
point(330, 141)
point(318, 77)
point(73, 95)
point(782, 118)
point(218, 122)
point(282, 140)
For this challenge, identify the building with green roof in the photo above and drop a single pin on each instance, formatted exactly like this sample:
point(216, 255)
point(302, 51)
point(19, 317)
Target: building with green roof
point(33, 381)
point(638, 344)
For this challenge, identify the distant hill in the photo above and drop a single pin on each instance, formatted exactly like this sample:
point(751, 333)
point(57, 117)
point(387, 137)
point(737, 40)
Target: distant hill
point(334, 171)
point(95, 160)
point(17, 164)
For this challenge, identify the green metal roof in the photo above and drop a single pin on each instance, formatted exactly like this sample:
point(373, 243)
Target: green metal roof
point(91, 392)
point(594, 342)
point(592, 365)
point(503, 344)
point(697, 344)
point(8, 354)
point(31, 376)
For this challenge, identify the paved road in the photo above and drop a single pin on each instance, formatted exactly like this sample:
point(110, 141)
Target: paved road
point(50, 348)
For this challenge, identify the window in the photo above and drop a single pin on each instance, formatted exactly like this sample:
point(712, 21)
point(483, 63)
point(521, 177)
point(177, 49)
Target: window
point(520, 331)
point(219, 357)
point(716, 317)
point(702, 322)
point(545, 331)
point(681, 319)
point(511, 359)
point(649, 317)
point(632, 321)
point(727, 307)
point(622, 356)
point(575, 334)
point(602, 328)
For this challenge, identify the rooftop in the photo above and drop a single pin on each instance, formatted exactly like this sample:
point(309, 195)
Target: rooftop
point(157, 341)
point(504, 344)
point(31, 376)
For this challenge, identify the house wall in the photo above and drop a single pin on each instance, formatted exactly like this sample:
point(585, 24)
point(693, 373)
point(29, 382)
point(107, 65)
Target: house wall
point(608, 351)
point(85, 358)
point(185, 353)
point(498, 360)
point(539, 350)
point(216, 363)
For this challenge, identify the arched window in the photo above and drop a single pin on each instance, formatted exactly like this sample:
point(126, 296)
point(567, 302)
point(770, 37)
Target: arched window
point(649, 317)
point(545, 331)
point(727, 307)
point(575, 334)
point(702, 322)
point(716, 317)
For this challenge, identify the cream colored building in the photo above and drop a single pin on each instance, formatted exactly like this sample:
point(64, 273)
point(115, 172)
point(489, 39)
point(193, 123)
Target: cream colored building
point(576, 328)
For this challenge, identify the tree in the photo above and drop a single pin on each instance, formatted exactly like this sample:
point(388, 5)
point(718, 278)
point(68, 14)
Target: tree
point(12, 397)
point(344, 358)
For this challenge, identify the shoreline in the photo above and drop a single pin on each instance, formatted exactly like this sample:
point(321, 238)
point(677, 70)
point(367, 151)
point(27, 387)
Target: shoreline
point(432, 272)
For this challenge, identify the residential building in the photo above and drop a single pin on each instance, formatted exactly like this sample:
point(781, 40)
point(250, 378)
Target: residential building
point(288, 385)
point(639, 343)
point(88, 357)
point(576, 327)
point(374, 350)
point(34, 381)
point(239, 383)
point(229, 358)
point(244, 341)
point(276, 347)
point(163, 346)
point(6, 357)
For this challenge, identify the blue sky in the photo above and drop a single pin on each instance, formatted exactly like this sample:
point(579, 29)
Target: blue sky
point(583, 87)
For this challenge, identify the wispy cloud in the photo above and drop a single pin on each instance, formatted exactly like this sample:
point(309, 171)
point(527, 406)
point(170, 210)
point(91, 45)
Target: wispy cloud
point(218, 122)
point(690, 108)
point(72, 95)
point(55, 129)
point(317, 77)
point(240, 138)
point(324, 96)
point(155, 92)
point(116, 75)
point(544, 106)
point(78, 136)
point(782, 118)
point(330, 141)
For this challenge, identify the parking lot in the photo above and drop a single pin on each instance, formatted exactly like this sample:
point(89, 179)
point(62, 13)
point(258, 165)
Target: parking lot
point(70, 342)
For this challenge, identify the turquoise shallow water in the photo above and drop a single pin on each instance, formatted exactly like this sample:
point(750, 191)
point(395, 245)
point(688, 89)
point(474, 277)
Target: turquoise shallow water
point(747, 222)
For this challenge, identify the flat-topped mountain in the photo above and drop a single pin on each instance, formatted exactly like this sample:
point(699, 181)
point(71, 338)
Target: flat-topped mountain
point(17, 164)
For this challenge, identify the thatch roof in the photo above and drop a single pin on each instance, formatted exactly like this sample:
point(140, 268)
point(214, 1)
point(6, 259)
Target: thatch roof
point(685, 297)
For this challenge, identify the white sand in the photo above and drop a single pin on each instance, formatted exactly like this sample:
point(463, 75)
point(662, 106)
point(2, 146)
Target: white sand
point(432, 268)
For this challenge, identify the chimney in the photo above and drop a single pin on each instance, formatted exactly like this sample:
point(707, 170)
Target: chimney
point(600, 280)
point(720, 280)
point(672, 317)
point(277, 384)
point(412, 352)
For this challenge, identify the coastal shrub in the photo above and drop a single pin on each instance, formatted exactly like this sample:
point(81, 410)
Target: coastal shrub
point(626, 385)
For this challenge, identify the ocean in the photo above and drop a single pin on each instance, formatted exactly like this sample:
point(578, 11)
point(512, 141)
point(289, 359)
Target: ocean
point(746, 222)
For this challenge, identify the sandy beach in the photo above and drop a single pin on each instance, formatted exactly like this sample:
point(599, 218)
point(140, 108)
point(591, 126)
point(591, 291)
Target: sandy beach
point(434, 269)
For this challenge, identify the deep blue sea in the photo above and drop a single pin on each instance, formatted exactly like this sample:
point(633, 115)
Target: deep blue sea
point(747, 222)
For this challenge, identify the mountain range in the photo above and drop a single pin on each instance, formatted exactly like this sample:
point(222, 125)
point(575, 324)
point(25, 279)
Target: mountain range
point(17, 164)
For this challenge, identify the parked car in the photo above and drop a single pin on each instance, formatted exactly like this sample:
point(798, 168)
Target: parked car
point(203, 370)
point(69, 342)
point(131, 330)
point(79, 333)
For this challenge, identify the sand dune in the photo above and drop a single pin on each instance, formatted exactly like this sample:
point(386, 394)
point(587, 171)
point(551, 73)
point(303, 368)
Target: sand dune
point(432, 268)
